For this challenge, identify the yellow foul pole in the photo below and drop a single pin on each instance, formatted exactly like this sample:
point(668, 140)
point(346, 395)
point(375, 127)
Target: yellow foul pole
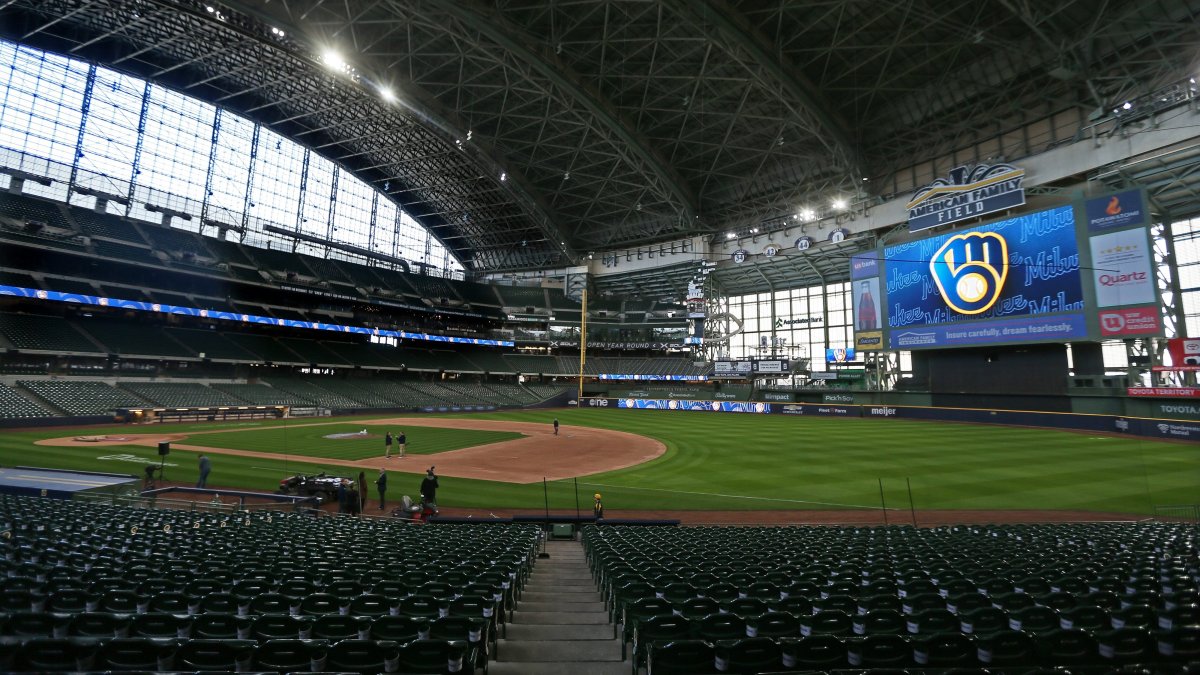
point(582, 344)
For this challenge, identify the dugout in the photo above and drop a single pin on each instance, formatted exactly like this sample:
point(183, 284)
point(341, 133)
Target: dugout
point(31, 481)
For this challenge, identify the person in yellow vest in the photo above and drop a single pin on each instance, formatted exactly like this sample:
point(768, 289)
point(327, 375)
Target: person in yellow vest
point(598, 507)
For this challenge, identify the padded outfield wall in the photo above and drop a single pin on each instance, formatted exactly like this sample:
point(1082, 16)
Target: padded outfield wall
point(1177, 429)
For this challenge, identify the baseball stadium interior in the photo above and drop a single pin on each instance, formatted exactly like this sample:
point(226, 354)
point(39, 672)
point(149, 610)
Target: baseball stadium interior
point(873, 329)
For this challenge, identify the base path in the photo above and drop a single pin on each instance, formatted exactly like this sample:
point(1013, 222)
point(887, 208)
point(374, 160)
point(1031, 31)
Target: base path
point(575, 451)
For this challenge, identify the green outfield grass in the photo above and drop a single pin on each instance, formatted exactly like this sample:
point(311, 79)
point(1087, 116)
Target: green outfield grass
point(309, 440)
point(735, 462)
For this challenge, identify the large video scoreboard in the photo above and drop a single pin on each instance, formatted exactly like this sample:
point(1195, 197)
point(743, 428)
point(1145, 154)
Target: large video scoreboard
point(1077, 272)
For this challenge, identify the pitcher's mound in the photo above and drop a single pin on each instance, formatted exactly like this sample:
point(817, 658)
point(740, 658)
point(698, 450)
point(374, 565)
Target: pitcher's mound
point(354, 435)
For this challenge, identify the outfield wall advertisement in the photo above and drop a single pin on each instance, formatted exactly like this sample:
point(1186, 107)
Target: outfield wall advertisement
point(1081, 271)
point(1171, 429)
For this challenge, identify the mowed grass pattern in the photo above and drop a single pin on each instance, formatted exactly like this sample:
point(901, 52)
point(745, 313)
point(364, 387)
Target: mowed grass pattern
point(309, 440)
point(744, 462)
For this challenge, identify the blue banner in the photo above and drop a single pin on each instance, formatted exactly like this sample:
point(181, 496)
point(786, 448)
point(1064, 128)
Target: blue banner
point(142, 306)
point(1124, 209)
point(700, 406)
point(1022, 269)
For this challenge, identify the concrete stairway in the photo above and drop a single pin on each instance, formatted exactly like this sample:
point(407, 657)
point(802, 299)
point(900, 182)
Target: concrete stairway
point(560, 626)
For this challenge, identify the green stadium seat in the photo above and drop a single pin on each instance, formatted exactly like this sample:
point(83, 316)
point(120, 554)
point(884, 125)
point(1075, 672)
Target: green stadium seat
point(359, 656)
point(26, 624)
point(160, 625)
point(681, 657)
point(879, 651)
point(136, 653)
point(817, 652)
point(225, 655)
point(773, 624)
point(945, 650)
point(53, 655)
point(280, 627)
point(290, 655)
point(719, 627)
point(213, 626)
point(748, 655)
point(1007, 648)
point(1126, 646)
point(827, 622)
point(99, 625)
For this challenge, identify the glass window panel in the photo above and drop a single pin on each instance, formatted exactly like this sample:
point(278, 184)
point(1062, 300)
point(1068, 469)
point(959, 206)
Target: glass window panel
point(41, 96)
point(231, 170)
point(173, 164)
point(352, 219)
point(318, 194)
point(110, 134)
point(275, 198)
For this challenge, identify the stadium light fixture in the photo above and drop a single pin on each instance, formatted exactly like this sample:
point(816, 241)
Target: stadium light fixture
point(387, 94)
point(839, 204)
point(503, 176)
point(334, 61)
point(730, 235)
point(1126, 105)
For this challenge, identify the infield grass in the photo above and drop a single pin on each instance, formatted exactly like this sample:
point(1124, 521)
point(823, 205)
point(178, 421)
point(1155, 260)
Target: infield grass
point(732, 462)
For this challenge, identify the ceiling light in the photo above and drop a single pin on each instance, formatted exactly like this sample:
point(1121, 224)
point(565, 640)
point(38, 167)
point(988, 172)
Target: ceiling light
point(333, 60)
point(503, 176)
point(754, 230)
point(209, 9)
point(839, 204)
point(387, 94)
point(1126, 105)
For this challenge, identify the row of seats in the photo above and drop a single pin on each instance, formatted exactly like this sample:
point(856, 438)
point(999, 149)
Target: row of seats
point(483, 600)
point(286, 656)
point(899, 584)
point(108, 229)
point(90, 397)
point(1012, 652)
point(15, 406)
point(77, 579)
point(261, 628)
point(82, 397)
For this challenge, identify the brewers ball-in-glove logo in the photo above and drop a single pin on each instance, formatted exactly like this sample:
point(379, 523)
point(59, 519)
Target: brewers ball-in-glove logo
point(970, 269)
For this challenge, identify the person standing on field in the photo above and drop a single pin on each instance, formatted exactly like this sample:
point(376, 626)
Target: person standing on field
point(555, 426)
point(387, 444)
point(402, 443)
point(429, 488)
point(381, 485)
point(205, 469)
